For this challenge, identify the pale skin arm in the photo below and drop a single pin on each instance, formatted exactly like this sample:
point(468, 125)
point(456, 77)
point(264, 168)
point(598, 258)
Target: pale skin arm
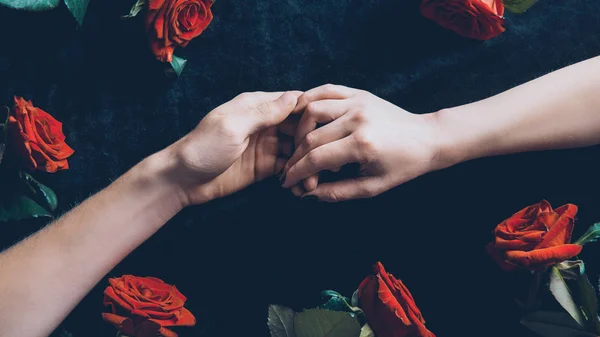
point(559, 110)
point(44, 277)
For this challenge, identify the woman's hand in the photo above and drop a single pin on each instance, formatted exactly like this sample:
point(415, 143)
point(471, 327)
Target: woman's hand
point(234, 146)
point(391, 145)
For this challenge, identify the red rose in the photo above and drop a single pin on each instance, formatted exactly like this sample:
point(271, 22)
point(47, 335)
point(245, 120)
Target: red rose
point(38, 138)
point(145, 306)
point(535, 238)
point(475, 19)
point(389, 307)
point(173, 23)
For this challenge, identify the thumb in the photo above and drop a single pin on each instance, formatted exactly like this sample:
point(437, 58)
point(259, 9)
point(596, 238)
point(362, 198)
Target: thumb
point(271, 113)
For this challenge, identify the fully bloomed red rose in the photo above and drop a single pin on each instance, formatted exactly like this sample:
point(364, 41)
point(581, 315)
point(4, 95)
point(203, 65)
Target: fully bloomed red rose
point(173, 23)
point(38, 138)
point(475, 19)
point(535, 238)
point(145, 307)
point(389, 307)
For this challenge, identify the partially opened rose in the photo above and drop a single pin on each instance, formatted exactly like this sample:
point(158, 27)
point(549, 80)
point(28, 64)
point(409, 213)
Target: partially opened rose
point(174, 23)
point(535, 238)
point(389, 307)
point(37, 138)
point(475, 19)
point(145, 307)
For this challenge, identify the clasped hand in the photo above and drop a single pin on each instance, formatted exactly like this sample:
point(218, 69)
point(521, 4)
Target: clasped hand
point(257, 135)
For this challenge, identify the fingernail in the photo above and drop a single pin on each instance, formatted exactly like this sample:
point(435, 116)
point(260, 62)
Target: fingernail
point(282, 178)
point(310, 198)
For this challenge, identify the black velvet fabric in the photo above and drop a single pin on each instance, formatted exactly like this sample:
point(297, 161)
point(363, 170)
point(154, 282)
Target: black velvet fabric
point(234, 256)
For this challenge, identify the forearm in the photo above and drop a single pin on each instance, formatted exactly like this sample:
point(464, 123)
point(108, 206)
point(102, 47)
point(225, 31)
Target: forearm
point(559, 110)
point(46, 275)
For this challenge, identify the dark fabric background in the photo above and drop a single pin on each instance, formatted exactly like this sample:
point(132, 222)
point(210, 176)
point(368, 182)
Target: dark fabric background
point(234, 256)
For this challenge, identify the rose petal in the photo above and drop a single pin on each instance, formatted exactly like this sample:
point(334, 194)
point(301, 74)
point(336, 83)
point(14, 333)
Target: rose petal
point(496, 6)
point(469, 18)
point(387, 298)
point(154, 5)
point(560, 231)
point(543, 257)
point(149, 302)
point(164, 332)
point(182, 317)
point(124, 324)
point(20, 143)
point(112, 299)
point(147, 328)
point(499, 258)
point(367, 294)
point(174, 23)
point(38, 138)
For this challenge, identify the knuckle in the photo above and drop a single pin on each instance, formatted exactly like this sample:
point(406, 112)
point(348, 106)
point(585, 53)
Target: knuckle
point(329, 87)
point(332, 195)
point(367, 191)
point(312, 158)
point(359, 116)
point(311, 108)
point(362, 140)
point(244, 97)
point(310, 140)
point(366, 149)
point(226, 128)
point(264, 109)
point(187, 153)
point(363, 94)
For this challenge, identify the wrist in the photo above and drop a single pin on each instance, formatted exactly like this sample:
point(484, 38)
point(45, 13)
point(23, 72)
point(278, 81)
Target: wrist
point(448, 146)
point(158, 174)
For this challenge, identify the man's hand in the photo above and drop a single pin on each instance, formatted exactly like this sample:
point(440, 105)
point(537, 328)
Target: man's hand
point(391, 145)
point(234, 146)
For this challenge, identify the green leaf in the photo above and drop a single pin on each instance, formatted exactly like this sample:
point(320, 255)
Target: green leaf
point(336, 304)
point(336, 301)
point(31, 5)
point(553, 324)
point(589, 302)
point(518, 6)
point(325, 323)
point(561, 292)
point(42, 193)
point(78, 9)
point(571, 270)
point(281, 321)
point(366, 331)
point(592, 235)
point(178, 64)
point(19, 208)
point(135, 10)
point(575, 270)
